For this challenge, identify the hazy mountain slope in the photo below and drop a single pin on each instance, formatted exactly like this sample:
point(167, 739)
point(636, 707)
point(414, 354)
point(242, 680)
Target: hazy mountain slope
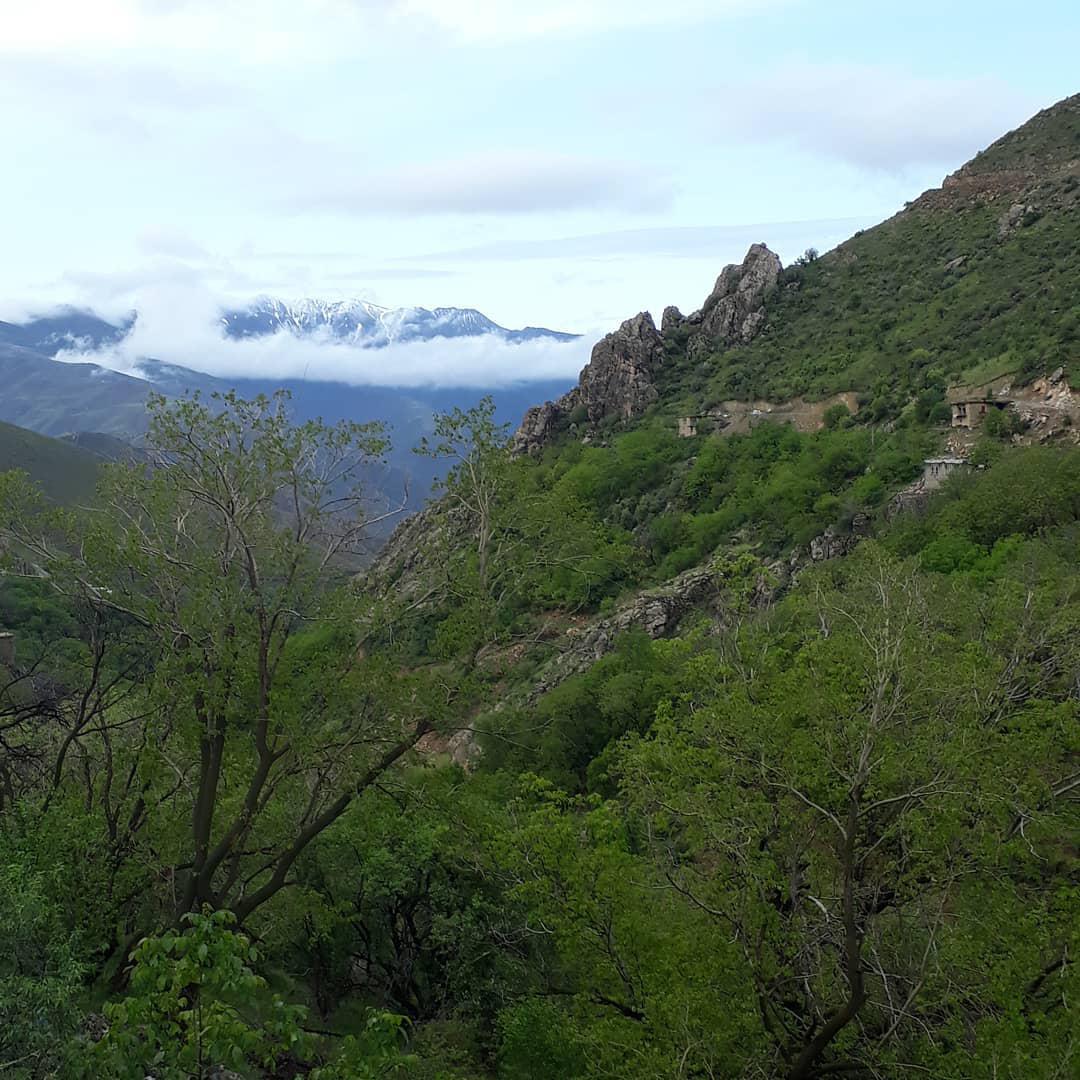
point(65, 472)
point(64, 328)
point(59, 399)
point(55, 399)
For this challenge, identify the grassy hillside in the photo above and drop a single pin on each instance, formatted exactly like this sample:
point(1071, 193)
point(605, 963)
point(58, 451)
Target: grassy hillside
point(65, 473)
point(959, 282)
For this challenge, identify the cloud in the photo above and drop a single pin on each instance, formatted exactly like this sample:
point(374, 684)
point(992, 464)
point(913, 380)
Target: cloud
point(181, 325)
point(875, 118)
point(500, 20)
point(501, 182)
point(685, 241)
point(327, 28)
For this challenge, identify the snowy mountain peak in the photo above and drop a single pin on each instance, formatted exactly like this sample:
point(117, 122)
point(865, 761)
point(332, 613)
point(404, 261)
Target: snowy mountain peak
point(363, 323)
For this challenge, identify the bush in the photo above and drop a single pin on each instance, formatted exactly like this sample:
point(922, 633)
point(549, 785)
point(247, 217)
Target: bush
point(40, 975)
point(1002, 424)
point(836, 415)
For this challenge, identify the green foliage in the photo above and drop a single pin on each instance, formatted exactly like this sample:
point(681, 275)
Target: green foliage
point(569, 736)
point(1002, 424)
point(196, 1004)
point(41, 969)
point(536, 1042)
point(822, 833)
point(376, 1053)
point(1023, 493)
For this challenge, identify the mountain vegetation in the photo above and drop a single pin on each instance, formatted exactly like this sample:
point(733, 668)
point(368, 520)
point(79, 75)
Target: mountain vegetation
point(668, 741)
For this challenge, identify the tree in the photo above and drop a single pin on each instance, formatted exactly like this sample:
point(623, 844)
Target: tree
point(227, 553)
point(837, 799)
point(478, 450)
point(514, 545)
point(196, 1005)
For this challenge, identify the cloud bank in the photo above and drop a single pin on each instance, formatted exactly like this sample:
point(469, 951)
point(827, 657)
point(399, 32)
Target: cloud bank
point(875, 118)
point(500, 183)
point(186, 331)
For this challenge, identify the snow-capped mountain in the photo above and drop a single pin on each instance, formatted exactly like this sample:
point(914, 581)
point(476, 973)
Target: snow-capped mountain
point(361, 323)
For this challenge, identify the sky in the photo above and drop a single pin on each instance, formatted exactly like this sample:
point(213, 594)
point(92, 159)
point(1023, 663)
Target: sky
point(563, 163)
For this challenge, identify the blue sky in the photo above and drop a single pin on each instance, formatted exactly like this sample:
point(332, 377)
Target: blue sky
point(559, 162)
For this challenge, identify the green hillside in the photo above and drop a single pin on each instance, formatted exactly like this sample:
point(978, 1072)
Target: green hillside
point(648, 751)
point(950, 286)
point(65, 473)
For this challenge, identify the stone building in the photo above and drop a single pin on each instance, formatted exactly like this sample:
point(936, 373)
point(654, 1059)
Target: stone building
point(937, 470)
point(970, 412)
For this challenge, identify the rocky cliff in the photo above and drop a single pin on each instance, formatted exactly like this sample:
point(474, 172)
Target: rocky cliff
point(735, 310)
point(620, 378)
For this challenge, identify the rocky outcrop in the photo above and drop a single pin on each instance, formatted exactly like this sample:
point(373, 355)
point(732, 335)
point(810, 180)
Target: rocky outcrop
point(620, 377)
point(657, 612)
point(671, 321)
point(1018, 214)
point(833, 544)
point(735, 310)
point(539, 424)
point(617, 381)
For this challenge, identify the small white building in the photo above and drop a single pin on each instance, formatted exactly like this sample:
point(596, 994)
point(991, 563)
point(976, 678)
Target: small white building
point(937, 470)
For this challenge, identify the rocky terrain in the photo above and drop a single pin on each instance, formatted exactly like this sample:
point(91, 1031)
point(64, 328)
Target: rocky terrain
point(620, 379)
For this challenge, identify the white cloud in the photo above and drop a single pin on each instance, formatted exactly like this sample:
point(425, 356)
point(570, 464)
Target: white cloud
point(498, 182)
point(679, 242)
point(272, 29)
point(497, 20)
point(180, 325)
point(875, 118)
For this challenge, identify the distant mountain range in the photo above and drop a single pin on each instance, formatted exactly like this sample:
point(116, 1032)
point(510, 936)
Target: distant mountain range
point(355, 322)
point(361, 323)
point(62, 399)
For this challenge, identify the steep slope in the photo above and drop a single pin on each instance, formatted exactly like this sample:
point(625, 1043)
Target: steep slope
point(827, 379)
point(976, 279)
point(973, 279)
point(65, 472)
point(55, 399)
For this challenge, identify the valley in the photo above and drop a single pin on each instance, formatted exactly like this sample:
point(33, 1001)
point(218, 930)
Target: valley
point(716, 715)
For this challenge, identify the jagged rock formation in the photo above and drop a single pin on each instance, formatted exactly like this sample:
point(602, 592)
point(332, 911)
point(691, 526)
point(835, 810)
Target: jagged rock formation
point(539, 424)
point(620, 378)
point(671, 321)
point(735, 310)
point(617, 381)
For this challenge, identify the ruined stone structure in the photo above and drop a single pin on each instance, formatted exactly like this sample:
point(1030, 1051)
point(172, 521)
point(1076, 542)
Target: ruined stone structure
point(970, 412)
